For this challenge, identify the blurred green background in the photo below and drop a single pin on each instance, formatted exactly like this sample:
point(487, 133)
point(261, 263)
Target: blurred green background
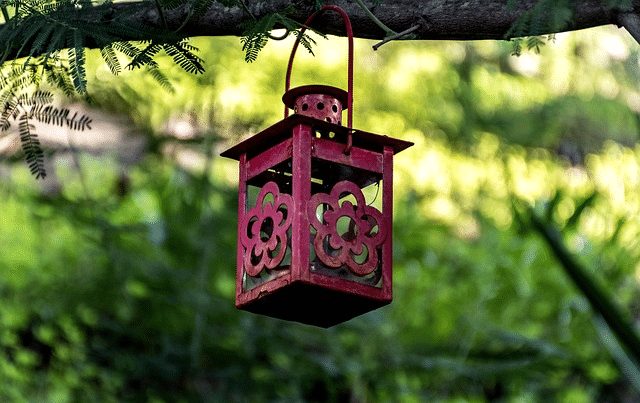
point(117, 273)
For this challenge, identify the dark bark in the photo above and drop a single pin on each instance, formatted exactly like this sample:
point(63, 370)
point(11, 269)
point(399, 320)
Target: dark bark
point(436, 19)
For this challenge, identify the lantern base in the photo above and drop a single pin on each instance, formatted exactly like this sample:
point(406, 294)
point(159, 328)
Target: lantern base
point(312, 304)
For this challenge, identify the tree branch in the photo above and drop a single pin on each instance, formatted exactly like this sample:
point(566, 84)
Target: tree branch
point(437, 19)
point(631, 22)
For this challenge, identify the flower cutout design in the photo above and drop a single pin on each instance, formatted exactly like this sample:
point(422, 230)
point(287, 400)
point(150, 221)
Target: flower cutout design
point(366, 229)
point(265, 236)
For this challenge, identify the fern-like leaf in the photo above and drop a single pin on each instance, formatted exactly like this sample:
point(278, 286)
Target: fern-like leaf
point(306, 41)
point(59, 77)
point(160, 78)
point(516, 49)
point(51, 115)
point(37, 98)
point(145, 56)
point(76, 63)
point(200, 7)
point(252, 45)
point(41, 40)
point(545, 16)
point(56, 41)
point(110, 58)
point(43, 30)
point(9, 110)
point(19, 79)
point(535, 42)
point(126, 48)
point(255, 36)
point(31, 147)
point(188, 61)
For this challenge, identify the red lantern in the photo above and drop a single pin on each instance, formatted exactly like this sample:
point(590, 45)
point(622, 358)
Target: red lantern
point(313, 246)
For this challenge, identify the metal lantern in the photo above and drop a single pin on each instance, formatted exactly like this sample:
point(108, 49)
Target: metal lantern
point(315, 210)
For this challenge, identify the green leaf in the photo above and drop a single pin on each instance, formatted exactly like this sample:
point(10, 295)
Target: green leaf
point(76, 63)
point(31, 147)
point(110, 58)
point(160, 78)
point(575, 217)
point(188, 61)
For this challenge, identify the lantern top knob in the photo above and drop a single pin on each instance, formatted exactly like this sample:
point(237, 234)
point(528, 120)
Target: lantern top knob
point(289, 97)
point(317, 101)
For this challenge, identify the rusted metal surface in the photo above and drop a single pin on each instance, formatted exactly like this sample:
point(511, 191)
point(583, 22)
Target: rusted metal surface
point(301, 193)
point(265, 225)
point(281, 131)
point(317, 101)
point(303, 198)
point(314, 243)
point(387, 211)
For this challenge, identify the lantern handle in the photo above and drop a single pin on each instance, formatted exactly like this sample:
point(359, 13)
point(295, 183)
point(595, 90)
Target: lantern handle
point(347, 23)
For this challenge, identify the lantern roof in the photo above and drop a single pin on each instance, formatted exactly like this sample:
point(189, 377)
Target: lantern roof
point(280, 131)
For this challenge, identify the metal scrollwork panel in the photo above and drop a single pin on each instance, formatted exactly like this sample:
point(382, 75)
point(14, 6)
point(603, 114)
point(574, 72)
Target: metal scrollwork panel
point(347, 234)
point(266, 224)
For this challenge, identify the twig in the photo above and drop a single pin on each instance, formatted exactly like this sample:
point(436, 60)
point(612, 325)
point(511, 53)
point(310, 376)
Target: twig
point(5, 14)
point(375, 19)
point(244, 6)
point(396, 36)
point(184, 24)
point(164, 20)
point(5, 54)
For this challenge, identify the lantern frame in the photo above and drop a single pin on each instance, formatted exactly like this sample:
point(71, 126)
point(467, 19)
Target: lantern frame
point(298, 293)
point(294, 261)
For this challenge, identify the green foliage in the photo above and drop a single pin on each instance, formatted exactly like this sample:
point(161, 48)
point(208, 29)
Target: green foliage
point(109, 56)
point(256, 34)
point(46, 26)
point(123, 290)
point(544, 17)
point(49, 26)
point(42, 28)
point(548, 16)
point(622, 5)
point(151, 303)
point(183, 56)
point(31, 147)
point(200, 7)
point(76, 64)
point(532, 42)
point(36, 107)
point(252, 46)
point(607, 311)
